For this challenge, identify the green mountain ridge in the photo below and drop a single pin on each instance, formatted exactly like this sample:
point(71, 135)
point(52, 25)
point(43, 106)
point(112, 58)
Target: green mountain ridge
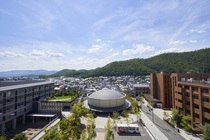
point(194, 61)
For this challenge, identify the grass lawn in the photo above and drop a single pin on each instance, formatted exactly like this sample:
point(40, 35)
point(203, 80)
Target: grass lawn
point(62, 98)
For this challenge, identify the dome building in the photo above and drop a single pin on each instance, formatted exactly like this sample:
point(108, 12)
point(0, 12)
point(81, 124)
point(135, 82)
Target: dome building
point(107, 100)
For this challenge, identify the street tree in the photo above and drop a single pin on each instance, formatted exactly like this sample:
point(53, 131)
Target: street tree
point(79, 110)
point(20, 136)
point(186, 123)
point(108, 129)
point(206, 132)
point(176, 117)
point(2, 138)
point(114, 118)
point(90, 126)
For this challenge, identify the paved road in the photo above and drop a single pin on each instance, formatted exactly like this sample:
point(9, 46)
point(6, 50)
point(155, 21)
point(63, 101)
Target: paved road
point(165, 128)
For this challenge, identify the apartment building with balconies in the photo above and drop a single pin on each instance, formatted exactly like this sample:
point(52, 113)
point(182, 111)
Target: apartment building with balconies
point(16, 101)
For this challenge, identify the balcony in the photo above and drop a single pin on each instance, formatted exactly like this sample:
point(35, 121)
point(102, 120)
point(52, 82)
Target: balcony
point(178, 104)
point(196, 101)
point(206, 104)
point(178, 89)
point(206, 115)
point(196, 110)
point(178, 96)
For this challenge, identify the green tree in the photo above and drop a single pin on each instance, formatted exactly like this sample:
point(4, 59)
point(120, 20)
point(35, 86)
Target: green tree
point(165, 116)
point(52, 133)
point(79, 109)
point(114, 117)
point(70, 127)
point(108, 129)
point(186, 123)
point(20, 136)
point(2, 137)
point(176, 117)
point(90, 126)
point(206, 132)
point(125, 113)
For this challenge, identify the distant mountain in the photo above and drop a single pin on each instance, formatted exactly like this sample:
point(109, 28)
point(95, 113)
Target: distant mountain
point(194, 61)
point(15, 73)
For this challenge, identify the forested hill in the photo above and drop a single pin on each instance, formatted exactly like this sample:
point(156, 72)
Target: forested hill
point(195, 61)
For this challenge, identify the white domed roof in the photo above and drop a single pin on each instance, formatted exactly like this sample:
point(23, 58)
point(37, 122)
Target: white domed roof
point(106, 93)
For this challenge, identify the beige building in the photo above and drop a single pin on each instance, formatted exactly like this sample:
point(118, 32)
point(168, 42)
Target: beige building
point(107, 100)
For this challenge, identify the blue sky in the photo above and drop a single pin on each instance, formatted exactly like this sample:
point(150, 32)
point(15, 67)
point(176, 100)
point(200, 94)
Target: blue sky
point(86, 34)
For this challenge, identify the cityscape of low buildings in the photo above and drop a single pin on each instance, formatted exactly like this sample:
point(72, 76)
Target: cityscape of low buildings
point(188, 92)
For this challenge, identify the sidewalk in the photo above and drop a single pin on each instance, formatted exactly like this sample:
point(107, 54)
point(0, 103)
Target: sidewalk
point(187, 136)
point(156, 133)
point(159, 113)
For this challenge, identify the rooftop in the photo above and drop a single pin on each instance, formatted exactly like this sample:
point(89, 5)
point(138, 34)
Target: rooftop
point(106, 93)
point(21, 84)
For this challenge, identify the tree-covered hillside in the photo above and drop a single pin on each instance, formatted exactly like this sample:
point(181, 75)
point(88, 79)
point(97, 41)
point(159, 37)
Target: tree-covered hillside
point(195, 61)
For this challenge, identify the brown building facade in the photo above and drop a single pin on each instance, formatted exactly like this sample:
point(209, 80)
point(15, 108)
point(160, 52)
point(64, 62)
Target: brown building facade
point(187, 92)
point(191, 96)
point(160, 88)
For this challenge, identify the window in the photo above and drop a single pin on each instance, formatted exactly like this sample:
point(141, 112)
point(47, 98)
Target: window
point(187, 111)
point(207, 110)
point(187, 103)
point(196, 106)
point(206, 120)
point(204, 90)
point(205, 99)
point(187, 94)
point(187, 87)
point(179, 100)
point(196, 115)
point(195, 88)
point(195, 96)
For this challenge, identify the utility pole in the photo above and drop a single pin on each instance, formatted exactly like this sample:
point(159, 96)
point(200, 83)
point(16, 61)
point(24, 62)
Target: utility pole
point(152, 115)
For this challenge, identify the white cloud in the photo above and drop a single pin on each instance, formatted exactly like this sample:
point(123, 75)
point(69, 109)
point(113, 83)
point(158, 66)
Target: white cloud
point(11, 54)
point(169, 50)
point(193, 41)
point(97, 46)
point(98, 40)
point(177, 42)
point(197, 31)
point(94, 48)
point(138, 49)
point(44, 53)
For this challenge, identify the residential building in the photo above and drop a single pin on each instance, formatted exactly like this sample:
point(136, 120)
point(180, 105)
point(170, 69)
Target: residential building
point(16, 101)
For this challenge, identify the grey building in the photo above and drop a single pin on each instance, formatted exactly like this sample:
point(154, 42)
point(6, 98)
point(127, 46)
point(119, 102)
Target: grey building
point(141, 89)
point(16, 100)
